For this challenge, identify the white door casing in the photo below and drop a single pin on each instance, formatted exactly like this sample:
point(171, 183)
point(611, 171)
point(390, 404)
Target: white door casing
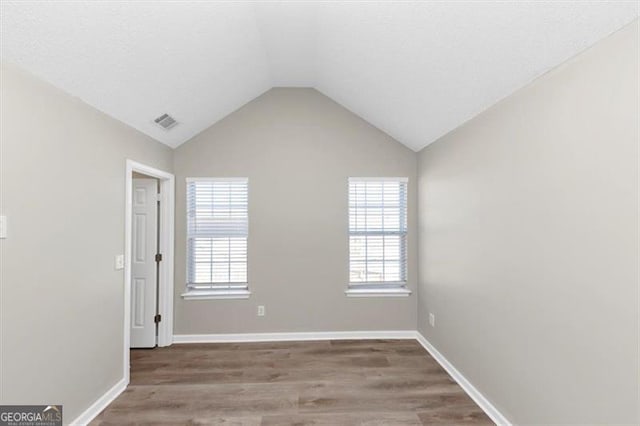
point(144, 246)
point(166, 214)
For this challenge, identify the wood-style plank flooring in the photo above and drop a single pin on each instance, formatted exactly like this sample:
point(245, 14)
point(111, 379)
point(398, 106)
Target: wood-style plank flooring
point(338, 382)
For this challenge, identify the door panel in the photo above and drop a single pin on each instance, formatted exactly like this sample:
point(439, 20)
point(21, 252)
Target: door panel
point(138, 302)
point(143, 265)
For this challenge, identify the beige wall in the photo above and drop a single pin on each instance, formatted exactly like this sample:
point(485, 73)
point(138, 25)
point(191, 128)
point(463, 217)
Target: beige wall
point(529, 243)
point(63, 188)
point(297, 147)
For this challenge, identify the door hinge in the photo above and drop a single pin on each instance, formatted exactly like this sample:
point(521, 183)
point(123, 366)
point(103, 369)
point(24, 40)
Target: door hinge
point(157, 318)
point(159, 257)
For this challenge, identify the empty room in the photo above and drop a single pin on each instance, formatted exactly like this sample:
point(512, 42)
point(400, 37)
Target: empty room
point(319, 213)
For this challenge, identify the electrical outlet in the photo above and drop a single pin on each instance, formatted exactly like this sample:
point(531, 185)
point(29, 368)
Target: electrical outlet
point(119, 262)
point(432, 320)
point(261, 310)
point(3, 227)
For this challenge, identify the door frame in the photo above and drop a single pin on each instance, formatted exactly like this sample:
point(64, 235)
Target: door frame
point(165, 274)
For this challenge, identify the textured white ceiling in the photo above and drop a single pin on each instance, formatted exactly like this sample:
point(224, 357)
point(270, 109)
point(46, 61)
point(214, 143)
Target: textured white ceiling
point(136, 60)
point(414, 69)
point(417, 70)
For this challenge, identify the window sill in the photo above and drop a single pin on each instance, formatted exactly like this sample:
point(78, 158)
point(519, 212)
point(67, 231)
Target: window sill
point(216, 294)
point(378, 292)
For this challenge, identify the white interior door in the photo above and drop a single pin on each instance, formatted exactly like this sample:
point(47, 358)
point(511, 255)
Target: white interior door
point(144, 244)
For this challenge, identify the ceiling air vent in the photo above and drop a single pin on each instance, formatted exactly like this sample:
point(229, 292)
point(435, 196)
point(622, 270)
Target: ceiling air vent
point(166, 121)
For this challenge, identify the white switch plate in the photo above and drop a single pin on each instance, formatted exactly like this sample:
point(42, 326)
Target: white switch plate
point(119, 262)
point(432, 320)
point(261, 310)
point(3, 226)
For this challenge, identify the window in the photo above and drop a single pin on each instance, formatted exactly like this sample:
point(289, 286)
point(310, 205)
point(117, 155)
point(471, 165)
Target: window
point(377, 236)
point(217, 231)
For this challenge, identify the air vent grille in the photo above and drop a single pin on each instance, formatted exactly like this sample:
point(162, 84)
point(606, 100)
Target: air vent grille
point(166, 121)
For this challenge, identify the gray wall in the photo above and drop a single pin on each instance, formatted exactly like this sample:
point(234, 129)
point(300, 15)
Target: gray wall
point(297, 147)
point(528, 228)
point(63, 188)
point(528, 243)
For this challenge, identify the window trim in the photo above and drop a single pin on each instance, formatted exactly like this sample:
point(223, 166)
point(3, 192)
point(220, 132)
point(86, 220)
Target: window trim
point(400, 291)
point(230, 290)
point(216, 294)
point(379, 288)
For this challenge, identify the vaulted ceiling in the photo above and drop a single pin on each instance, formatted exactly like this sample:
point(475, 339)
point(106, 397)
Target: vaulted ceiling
point(414, 69)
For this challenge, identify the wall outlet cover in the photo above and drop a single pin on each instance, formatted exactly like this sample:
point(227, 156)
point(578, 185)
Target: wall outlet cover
point(119, 262)
point(3, 226)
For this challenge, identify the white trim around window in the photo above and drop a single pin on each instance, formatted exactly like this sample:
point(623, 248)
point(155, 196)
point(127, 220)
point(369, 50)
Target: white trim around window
point(217, 238)
point(215, 294)
point(378, 292)
point(378, 237)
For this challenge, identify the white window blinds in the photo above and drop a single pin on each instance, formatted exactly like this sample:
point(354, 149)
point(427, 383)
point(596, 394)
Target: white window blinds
point(217, 231)
point(378, 232)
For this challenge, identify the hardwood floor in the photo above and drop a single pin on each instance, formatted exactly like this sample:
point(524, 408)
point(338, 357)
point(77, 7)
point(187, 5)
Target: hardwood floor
point(338, 382)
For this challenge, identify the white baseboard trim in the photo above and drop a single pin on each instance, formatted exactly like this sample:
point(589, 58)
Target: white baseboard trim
point(465, 384)
point(100, 404)
point(285, 337)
